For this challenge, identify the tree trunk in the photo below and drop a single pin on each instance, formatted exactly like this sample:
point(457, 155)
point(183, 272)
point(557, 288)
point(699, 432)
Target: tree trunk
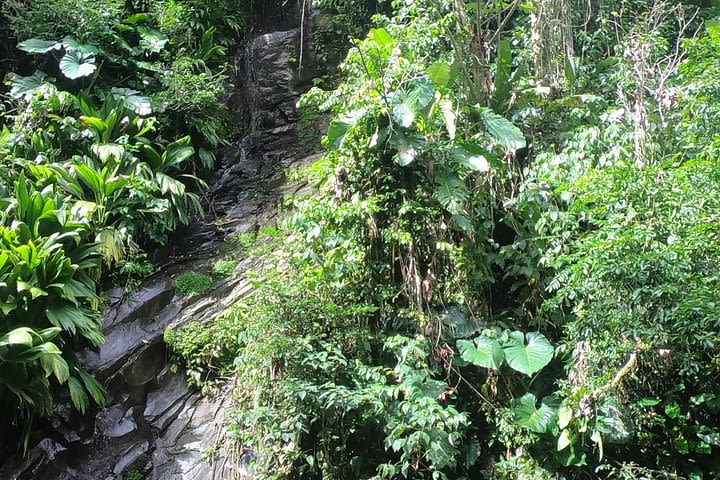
point(552, 40)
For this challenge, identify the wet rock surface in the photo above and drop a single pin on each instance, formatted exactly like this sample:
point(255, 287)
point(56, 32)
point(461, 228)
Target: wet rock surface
point(154, 425)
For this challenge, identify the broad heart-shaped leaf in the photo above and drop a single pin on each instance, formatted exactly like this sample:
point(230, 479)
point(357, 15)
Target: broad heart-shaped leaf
point(70, 43)
point(472, 157)
point(25, 87)
point(412, 98)
point(151, 40)
point(36, 45)
point(457, 322)
point(407, 148)
point(340, 125)
point(529, 357)
point(451, 191)
point(439, 74)
point(502, 130)
point(483, 352)
point(133, 100)
point(76, 65)
point(529, 415)
point(404, 113)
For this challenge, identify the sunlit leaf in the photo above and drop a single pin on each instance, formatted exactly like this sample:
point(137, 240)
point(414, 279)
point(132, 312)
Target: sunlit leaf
point(76, 65)
point(25, 87)
point(151, 40)
point(482, 351)
point(439, 74)
point(502, 130)
point(528, 353)
point(36, 45)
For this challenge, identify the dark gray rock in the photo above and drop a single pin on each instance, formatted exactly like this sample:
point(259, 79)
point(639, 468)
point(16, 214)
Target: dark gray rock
point(169, 397)
point(115, 422)
point(130, 456)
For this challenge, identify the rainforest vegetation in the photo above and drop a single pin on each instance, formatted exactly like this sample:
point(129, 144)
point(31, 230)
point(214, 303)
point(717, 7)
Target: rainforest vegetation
point(506, 265)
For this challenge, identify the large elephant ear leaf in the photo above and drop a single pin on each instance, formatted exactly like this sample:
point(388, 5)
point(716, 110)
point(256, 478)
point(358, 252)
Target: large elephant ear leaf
point(36, 45)
point(25, 87)
point(483, 352)
point(536, 419)
point(76, 65)
point(439, 74)
point(341, 125)
point(151, 40)
point(528, 353)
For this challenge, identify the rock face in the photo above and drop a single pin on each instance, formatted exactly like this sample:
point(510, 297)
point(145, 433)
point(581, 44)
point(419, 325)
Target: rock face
point(154, 426)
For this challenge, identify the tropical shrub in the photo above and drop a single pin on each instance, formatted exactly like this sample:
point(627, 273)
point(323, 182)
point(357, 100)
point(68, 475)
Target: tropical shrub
point(49, 304)
point(192, 283)
point(499, 275)
point(223, 268)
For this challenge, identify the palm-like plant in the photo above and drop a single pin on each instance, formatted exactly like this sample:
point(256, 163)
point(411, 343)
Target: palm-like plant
point(48, 304)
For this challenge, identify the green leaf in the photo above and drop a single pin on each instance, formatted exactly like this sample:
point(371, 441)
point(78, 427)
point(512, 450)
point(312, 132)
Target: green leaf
point(448, 112)
point(77, 394)
point(713, 29)
point(133, 100)
point(482, 351)
point(151, 40)
point(97, 392)
point(76, 65)
point(25, 87)
point(439, 74)
point(565, 414)
point(70, 43)
point(36, 45)
point(452, 193)
point(381, 37)
point(108, 151)
point(176, 153)
point(407, 148)
point(110, 244)
point(614, 423)
point(19, 336)
point(502, 129)
point(404, 114)
point(56, 365)
point(572, 69)
point(502, 89)
point(709, 436)
point(564, 440)
point(472, 157)
point(137, 18)
point(529, 357)
point(340, 125)
point(528, 415)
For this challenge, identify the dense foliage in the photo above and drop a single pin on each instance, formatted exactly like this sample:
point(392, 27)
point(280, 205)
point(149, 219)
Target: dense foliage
point(112, 110)
point(508, 268)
